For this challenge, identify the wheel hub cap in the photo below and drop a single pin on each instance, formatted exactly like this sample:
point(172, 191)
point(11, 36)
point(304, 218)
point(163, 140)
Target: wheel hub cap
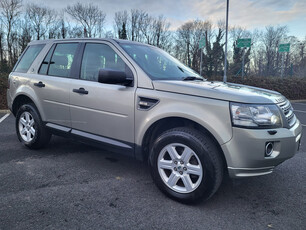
point(26, 126)
point(180, 168)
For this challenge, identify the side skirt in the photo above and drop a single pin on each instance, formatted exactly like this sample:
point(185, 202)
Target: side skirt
point(104, 143)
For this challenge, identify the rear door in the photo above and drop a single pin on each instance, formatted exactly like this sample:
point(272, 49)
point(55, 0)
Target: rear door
point(104, 112)
point(52, 83)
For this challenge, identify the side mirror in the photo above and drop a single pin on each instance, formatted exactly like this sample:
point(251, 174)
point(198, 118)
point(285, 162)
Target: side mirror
point(110, 76)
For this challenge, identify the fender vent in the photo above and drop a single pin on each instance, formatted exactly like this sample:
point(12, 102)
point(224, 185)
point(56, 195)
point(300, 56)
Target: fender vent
point(145, 103)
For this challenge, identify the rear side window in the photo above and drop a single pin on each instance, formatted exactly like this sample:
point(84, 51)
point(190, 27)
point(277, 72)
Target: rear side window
point(58, 61)
point(45, 64)
point(28, 57)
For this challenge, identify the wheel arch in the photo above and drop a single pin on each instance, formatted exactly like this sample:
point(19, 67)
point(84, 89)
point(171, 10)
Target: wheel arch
point(167, 123)
point(20, 100)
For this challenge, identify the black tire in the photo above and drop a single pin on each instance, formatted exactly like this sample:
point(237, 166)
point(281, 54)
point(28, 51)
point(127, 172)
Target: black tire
point(42, 135)
point(208, 154)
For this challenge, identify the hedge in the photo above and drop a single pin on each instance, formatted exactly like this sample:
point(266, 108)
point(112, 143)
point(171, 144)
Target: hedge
point(292, 88)
point(3, 87)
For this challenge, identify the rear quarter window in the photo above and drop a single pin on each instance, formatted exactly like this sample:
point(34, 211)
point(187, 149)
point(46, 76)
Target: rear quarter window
point(28, 57)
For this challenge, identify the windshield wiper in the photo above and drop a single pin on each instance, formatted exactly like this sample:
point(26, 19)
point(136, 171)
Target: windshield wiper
point(180, 68)
point(192, 78)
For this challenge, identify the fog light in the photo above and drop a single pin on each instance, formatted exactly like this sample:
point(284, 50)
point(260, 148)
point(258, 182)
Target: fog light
point(269, 149)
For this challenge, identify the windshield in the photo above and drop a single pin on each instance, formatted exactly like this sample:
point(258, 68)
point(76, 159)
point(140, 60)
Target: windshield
point(158, 64)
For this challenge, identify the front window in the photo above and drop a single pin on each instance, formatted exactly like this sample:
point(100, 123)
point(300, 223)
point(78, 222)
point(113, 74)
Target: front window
point(99, 56)
point(158, 64)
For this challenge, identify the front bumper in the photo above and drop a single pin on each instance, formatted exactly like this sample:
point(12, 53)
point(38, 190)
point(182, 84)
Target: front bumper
point(245, 152)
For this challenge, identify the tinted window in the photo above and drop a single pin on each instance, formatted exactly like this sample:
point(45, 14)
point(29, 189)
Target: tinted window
point(28, 57)
point(45, 64)
point(62, 58)
point(158, 64)
point(99, 56)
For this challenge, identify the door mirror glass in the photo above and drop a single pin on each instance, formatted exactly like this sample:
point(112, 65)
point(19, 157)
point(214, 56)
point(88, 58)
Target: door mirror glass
point(110, 76)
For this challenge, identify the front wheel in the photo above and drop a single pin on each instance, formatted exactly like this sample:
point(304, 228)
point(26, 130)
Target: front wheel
point(29, 127)
point(186, 165)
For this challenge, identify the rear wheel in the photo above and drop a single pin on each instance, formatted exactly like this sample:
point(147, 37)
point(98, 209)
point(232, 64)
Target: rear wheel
point(29, 127)
point(186, 165)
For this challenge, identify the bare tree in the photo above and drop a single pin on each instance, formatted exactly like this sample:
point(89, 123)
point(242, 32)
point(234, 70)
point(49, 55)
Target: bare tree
point(146, 27)
point(136, 19)
point(184, 40)
point(64, 28)
point(109, 34)
point(90, 17)
point(76, 32)
point(87, 20)
point(188, 38)
point(1, 43)
point(300, 62)
point(10, 11)
point(15, 46)
point(271, 40)
point(161, 34)
point(154, 30)
point(40, 18)
point(25, 35)
point(237, 32)
point(121, 20)
point(63, 25)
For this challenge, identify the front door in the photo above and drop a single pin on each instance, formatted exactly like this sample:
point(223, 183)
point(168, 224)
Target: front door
point(104, 112)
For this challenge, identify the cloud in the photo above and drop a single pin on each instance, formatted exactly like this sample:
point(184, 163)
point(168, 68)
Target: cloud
point(251, 13)
point(246, 13)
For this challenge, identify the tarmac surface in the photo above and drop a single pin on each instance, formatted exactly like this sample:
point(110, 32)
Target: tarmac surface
point(69, 185)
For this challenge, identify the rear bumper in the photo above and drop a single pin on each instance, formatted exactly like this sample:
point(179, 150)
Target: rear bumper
point(245, 152)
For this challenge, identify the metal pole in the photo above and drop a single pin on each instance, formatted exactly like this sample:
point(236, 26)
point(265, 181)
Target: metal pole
point(201, 62)
point(282, 72)
point(243, 54)
point(225, 52)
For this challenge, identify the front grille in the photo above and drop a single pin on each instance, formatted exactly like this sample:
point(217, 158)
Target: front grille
point(287, 109)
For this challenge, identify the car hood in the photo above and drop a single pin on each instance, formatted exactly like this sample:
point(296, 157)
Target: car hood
point(220, 90)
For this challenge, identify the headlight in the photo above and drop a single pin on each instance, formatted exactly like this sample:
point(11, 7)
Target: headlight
point(255, 116)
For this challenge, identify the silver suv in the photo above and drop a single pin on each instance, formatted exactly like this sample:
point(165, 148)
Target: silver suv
point(138, 100)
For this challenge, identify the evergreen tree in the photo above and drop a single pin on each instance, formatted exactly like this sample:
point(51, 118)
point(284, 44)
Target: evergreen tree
point(236, 66)
point(214, 56)
point(122, 33)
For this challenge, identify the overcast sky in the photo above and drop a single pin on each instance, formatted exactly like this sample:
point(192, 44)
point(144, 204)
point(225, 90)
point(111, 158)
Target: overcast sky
point(247, 13)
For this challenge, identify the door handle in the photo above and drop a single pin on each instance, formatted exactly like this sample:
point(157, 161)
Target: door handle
point(39, 84)
point(80, 90)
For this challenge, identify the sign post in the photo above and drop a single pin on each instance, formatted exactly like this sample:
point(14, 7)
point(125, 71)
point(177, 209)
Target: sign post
point(225, 52)
point(243, 43)
point(283, 48)
point(202, 44)
point(242, 67)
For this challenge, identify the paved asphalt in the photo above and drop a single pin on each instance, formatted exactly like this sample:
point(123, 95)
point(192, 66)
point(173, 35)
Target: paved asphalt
point(70, 185)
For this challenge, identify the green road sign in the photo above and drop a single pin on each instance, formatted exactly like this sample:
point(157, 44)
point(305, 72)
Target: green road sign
point(284, 47)
point(202, 43)
point(244, 42)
